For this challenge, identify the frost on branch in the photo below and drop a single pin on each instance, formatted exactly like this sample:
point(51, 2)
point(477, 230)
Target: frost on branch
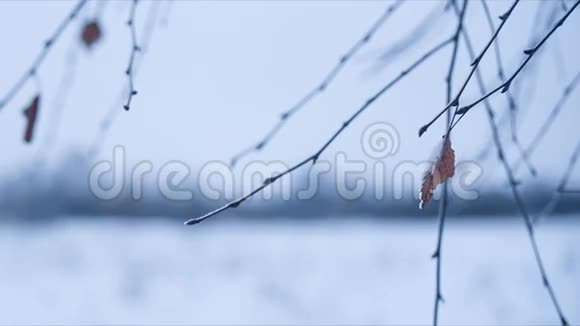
point(442, 169)
point(30, 113)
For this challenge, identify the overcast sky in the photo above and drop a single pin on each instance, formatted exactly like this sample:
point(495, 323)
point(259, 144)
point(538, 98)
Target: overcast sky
point(218, 74)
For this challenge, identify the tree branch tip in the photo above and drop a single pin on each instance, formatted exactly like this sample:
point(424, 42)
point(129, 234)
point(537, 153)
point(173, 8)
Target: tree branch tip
point(422, 130)
point(192, 221)
point(126, 107)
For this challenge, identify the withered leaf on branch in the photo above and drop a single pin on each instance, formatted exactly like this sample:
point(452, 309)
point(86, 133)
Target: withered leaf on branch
point(31, 113)
point(442, 169)
point(91, 33)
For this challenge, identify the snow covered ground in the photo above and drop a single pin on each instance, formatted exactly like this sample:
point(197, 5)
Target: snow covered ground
point(347, 271)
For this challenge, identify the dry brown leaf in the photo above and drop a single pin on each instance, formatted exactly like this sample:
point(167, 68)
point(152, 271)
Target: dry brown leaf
point(91, 33)
point(30, 113)
point(443, 169)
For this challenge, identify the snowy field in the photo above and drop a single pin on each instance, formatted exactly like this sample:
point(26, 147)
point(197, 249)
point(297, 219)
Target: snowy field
point(347, 271)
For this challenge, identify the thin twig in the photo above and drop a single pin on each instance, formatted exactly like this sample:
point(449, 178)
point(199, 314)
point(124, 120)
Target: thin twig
point(444, 200)
point(106, 123)
point(474, 65)
point(64, 88)
point(437, 254)
point(134, 49)
point(504, 87)
point(513, 185)
point(511, 100)
point(314, 157)
point(540, 20)
point(320, 88)
point(48, 44)
point(545, 127)
point(501, 72)
point(60, 98)
point(561, 189)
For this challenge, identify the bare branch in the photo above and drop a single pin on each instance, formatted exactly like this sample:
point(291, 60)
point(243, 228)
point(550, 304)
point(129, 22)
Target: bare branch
point(320, 88)
point(146, 35)
point(511, 100)
point(134, 49)
point(504, 87)
point(513, 186)
point(475, 64)
point(48, 44)
point(561, 189)
point(545, 127)
point(444, 200)
point(437, 254)
point(59, 101)
point(542, 18)
point(65, 84)
point(314, 157)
